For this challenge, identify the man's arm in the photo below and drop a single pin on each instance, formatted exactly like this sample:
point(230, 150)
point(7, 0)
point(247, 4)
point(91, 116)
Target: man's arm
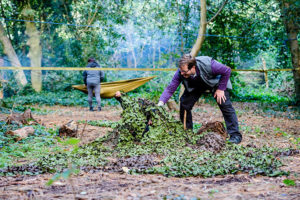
point(220, 69)
point(169, 91)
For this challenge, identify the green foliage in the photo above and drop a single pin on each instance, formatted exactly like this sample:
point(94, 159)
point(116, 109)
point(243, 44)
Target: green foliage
point(146, 33)
point(166, 138)
point(261, 95)
point(65, 98)
point(246, 88)
point(179, 155)
point(28, 149)
point(71, 98)
point(87, 155)
point(72, 146)
point(101, 123)
point(289, 182)
point(4, 128)
point(26, 90)
point(73, 170)
point(143, 34)
point(231, 160)
point(61, 81)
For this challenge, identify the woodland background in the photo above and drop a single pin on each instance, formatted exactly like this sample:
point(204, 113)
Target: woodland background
point(259, 34)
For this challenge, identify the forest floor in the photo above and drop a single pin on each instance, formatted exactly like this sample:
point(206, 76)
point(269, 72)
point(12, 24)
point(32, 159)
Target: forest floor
point(278, 129)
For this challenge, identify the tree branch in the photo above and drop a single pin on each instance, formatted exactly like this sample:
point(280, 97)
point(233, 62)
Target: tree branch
point(93, 17)
point(221, 8)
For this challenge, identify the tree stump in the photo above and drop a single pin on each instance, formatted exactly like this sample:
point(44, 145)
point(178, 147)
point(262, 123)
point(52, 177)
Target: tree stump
point(21, 119)
point(69, 129)
point(217, 127)
point(21, 133)
point(215, 138)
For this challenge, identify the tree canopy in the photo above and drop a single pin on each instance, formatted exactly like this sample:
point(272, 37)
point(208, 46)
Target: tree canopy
point(155, 33)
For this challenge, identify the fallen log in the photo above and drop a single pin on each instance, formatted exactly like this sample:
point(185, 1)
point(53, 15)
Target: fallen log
point(21, 133)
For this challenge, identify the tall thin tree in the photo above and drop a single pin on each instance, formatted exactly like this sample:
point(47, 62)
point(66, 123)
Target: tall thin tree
point(35, 50)
point(290, 14)
point(14, 60)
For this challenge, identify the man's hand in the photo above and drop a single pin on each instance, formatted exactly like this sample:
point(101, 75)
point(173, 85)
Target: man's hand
point(160, 103)
point(219, 94)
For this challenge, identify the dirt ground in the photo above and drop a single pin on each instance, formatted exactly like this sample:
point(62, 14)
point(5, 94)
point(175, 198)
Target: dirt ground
point(257, 129)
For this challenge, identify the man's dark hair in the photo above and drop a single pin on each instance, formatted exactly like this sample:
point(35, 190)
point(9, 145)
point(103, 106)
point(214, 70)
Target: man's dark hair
point(187, 59)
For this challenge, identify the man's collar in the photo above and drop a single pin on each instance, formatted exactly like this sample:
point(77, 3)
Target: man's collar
point(197, 73)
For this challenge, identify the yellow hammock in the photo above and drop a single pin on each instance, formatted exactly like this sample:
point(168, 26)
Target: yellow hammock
point(109, 89)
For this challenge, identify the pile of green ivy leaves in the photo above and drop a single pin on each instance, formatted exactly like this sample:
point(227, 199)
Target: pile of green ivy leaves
point(174, 147)
point(146, 129)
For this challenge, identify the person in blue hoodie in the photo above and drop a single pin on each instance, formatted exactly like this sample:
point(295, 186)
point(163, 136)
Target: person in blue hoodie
point(92, 79)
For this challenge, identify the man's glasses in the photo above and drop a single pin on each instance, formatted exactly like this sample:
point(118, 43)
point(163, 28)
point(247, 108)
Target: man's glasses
point(184, 72)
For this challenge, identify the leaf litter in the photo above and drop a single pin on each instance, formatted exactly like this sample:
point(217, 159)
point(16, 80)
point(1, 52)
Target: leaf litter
point(167, 150)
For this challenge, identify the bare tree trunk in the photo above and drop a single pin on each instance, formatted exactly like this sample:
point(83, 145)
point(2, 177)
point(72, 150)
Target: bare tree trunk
point(290, 15)
point(295, 62)
point(203, 24)
point(201, 34)
point(35, 50)
point(14, 60)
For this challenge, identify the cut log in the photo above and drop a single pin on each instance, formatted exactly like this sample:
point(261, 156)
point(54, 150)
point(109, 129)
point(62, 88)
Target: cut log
point(21, 133)
point(21, 119)
point(215, 138)
point(69, 129)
